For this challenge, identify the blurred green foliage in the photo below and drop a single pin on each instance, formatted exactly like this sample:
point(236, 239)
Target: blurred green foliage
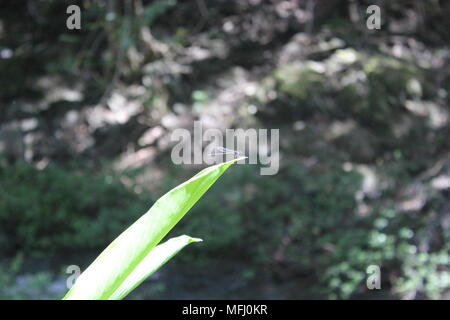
point(305, 222)
point(16, 285)
point(55, 211)
point(302, 222)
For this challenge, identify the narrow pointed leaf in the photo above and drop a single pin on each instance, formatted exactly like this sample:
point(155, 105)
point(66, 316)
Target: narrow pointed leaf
point(152, 262)
point(115, 264)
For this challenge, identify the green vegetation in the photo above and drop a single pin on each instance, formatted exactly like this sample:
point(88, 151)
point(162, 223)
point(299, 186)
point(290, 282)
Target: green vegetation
point(133, 256)
point(87, 115)
point(56, 211)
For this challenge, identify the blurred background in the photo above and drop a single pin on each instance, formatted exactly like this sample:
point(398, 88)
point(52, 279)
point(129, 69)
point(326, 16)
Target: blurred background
point(86, 117)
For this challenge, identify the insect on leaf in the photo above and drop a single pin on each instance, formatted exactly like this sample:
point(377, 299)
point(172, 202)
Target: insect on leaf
point(113, 273)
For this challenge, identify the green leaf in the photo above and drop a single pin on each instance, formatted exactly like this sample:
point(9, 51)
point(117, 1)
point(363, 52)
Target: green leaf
point(152, 262)
point(108, 273)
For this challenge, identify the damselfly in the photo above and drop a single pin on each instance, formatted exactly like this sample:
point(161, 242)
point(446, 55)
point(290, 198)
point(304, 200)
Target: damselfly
point(218, 151)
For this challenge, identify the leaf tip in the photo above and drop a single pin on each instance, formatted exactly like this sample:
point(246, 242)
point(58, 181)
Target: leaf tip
point(191, 239)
